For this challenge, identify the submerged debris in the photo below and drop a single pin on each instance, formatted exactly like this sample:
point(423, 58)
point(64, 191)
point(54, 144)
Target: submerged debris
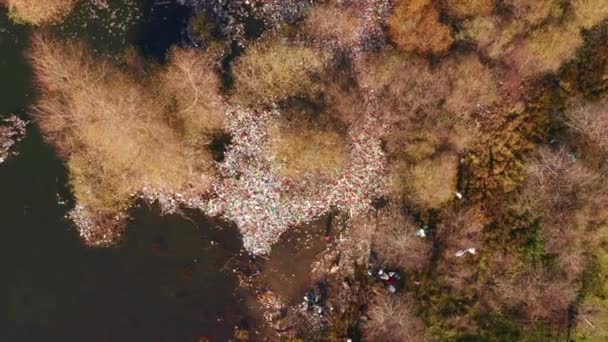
point(12, 130)
point(97, 230)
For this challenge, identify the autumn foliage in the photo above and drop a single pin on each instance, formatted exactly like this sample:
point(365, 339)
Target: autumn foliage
point(114, 133)
point(415, 27)
point(37, 12)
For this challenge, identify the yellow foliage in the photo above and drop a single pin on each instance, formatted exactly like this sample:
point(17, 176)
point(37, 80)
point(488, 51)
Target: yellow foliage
point(303, 151)
point(535, 12)
point(39, 12)
point(429, 183)
point(546, 48)
point(110, 128)
point(273, 70)
point(588, 13)
point(189, 80)
point(468, 8)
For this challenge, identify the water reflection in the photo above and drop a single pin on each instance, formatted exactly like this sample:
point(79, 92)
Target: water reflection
point(164, 283)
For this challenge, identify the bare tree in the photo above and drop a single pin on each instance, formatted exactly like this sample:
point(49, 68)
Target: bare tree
point(190, 79)
point(38, 12)
point(392, 318)
point(538, 297)
point(396, 243)
point(590, 120)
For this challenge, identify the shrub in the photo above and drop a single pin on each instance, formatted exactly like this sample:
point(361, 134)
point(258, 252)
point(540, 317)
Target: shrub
point(588, 73)
point(190, 81)
point(273, 70)
point(38, 12)
point(109, 127)
point(459, 230)
point(392, 318)
point(538, 297)
point(343, 101)
point(591, 122)
point(330, 22)
point(428, 184)
point(415, 27)
point(492, 34)
point(569, 197)
point(411, 95)
point(396, 243)
point(545, 49)
point(468, 8)
point(588, 13)
point(535, 12)
point(592, 312)
point(473, 85)
point(409, 87)
point(305, 150)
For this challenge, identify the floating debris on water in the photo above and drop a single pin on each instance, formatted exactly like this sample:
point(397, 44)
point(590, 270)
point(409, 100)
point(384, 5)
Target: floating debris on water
point(12, 130)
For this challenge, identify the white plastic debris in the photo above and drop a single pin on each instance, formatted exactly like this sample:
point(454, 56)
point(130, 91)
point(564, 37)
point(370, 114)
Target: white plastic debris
point(420, 233)
point(459, 195)
point(462, 252)
point(12, 130)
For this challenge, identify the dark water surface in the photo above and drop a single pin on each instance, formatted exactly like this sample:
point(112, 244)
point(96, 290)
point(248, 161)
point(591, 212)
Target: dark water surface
point(164, 283)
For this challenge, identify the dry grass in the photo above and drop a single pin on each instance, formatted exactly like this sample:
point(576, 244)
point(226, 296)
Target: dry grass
point(429, 183)
point(114, 135)
point(305, 150)
point(39, 12)
point(273, 70)
point(396, 243)
point(468, 8)
point(415, 27)
point(189, 80)
point(392, 318)
point(329, 22)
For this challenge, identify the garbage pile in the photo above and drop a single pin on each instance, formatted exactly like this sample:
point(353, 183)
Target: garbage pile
point(260, 202)
point(391, 279)
point(97, 230)
point(314, 299)
point(254, 197)
point(234, 18)
point(12, 130)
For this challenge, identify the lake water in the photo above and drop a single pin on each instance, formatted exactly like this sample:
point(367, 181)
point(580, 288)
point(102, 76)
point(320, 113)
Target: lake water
point(164, 283)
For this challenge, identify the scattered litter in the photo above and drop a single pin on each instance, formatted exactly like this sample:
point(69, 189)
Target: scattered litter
point(315, 298)
point(459, 195)
point(12, 130)
point(462, 252)
point(391, 279)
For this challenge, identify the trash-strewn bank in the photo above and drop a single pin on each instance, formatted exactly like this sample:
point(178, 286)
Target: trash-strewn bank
point(12, 130)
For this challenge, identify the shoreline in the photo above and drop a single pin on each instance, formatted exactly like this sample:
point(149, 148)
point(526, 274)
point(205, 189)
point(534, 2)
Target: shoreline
point(252, 196)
